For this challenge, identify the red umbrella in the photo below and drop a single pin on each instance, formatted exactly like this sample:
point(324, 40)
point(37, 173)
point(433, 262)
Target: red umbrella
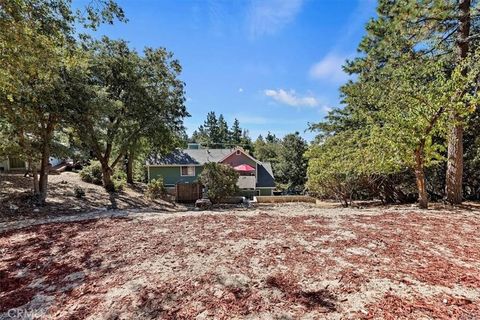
point(245, 168)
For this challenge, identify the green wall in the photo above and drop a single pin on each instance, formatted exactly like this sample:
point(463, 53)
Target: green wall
point(171, 175)
point(265, 192)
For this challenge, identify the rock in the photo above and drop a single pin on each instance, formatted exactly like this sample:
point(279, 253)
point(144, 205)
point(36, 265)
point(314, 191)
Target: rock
point(36, 210)
point(13, 207)
point(203, 204)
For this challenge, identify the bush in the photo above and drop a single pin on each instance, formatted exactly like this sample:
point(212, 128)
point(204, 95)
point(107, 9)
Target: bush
point(119, 179)
point(92, 173)
point(220, 181)
point(156, 189)
point(79, 192)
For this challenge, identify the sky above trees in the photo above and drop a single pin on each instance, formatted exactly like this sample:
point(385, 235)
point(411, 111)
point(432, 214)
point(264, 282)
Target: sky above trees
point(273, 64)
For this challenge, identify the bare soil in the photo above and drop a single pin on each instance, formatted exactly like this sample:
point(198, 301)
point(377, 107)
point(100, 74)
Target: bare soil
point(285, 261)
point(16, 202)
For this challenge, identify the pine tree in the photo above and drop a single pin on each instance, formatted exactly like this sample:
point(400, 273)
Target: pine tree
point(211, 130)
point(291, 167)
point(235, 133)
point(408, 81)
point(223, 133)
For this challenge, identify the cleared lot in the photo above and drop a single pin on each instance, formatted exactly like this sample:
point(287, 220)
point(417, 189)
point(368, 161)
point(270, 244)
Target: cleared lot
point(272, 262)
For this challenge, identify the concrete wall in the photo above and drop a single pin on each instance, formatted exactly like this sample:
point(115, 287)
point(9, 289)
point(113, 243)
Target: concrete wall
point(283, 199)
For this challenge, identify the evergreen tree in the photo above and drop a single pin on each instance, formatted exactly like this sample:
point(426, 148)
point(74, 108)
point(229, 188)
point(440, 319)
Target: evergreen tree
point(291, 167)
point(407, 83)
point(246, 141)
point(235, 133)
point(267, 150)
point(223, 133)
point(211, 130)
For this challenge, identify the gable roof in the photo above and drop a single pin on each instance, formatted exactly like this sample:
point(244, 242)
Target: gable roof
point(190, 156)
point(234, 150)
point(265, 175)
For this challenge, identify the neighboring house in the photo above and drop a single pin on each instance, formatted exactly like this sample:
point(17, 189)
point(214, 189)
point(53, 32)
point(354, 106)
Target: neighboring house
point(186, 165)
point(12, 163)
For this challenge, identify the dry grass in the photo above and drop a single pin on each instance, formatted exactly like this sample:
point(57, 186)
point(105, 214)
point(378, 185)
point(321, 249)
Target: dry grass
point(276, 262)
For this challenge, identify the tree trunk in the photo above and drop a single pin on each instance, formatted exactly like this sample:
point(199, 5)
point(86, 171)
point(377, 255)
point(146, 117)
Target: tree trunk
point(388, 191)
point(453, 183)
point(420, 178)
point(36, 189)
point(130, 159)
point(107, 177)
point(44, 170)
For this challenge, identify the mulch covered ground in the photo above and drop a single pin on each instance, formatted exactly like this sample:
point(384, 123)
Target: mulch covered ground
point(278, 262)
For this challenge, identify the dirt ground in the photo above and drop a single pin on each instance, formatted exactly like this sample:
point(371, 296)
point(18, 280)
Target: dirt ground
point(16, 204)
point(288, 261)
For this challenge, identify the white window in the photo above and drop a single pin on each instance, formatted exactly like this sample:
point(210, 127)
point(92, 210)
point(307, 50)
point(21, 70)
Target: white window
point(187, 171)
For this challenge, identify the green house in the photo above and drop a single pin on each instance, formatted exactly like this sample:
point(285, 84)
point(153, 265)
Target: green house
point(185, 166)
point(11, 163)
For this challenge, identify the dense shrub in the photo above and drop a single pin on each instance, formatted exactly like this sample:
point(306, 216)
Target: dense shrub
point(220, 181)
point(92, 173)
point(156, 189)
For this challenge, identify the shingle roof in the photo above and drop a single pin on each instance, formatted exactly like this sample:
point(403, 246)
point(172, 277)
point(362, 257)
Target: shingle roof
point(265, 176)
point(190, 156)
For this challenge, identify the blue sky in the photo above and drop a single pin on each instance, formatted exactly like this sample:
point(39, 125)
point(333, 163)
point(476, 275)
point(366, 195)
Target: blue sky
point(273, 64)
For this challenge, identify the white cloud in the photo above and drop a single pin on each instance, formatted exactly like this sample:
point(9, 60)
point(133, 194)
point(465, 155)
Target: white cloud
point(266, 17)
point(291, 98)
point(330, 68)
point(240, 90)
point(326, 109)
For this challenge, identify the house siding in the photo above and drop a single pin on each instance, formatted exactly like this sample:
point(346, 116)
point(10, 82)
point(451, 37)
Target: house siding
point(236, 160)
point(171, 175)
point(4, 165)
point(265, 192)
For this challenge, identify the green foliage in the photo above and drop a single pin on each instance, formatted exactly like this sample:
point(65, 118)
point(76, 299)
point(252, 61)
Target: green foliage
point(333, 170)
point(38, 48)
point(214, 133)
point(220, 181)
point(131, 101)
point(268, 149)
point(291, 167)
point(156, 189)
point(119, 179)
point(397, 115)
point(92, 173)
point(236, 133)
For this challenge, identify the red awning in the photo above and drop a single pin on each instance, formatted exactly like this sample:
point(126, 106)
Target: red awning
point(245, 168)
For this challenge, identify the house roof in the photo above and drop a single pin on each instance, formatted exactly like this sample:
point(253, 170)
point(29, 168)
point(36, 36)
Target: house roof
point(265, 176)
point(190, 156)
